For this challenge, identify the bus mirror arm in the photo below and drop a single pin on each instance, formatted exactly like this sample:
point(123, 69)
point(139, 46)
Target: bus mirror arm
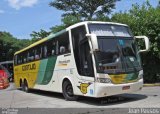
point(94, 42)
point(147, 45)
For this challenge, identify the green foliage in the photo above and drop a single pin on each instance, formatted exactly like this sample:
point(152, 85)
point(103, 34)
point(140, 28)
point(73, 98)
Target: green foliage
point(86, 9)
point(57, 28)
point(81, 10)
point(39, 35)
point(67, 21)
point(9, 45)
point(145, 20)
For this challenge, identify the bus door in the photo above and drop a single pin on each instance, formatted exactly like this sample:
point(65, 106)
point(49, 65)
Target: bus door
point(87, 82)
point(83, 60)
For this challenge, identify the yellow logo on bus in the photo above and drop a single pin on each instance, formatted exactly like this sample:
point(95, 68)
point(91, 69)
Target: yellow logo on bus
point(83, 87)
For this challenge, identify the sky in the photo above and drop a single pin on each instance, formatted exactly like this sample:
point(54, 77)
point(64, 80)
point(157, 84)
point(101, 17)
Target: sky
point(21, 17)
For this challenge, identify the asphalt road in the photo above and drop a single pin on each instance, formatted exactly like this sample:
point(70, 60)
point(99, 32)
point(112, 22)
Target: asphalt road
point(13, 98)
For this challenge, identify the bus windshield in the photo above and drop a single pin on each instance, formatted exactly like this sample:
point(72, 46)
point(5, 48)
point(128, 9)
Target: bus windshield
point(117, 50)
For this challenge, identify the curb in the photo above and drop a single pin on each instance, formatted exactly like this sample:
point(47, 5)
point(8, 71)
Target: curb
point(151, 85)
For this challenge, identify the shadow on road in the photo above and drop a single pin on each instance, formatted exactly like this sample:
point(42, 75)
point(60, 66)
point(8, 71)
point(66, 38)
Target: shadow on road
point(111, 100)
point(117, 99)
point(47, 94)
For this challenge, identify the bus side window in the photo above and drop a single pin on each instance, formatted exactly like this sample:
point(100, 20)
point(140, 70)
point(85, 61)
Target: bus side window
point(82, 52)
point(15, 60)
point(31, 55)
point(51, 45)
point(63, 43)
point(28, 57)
point(62, 49)
point(45, 51)
point(49, 49)
point(57, 48)
point(41, 52)
point(18, 59)
point(54, 48)
point(21, 59)
point(37, 53)
point(24, 57)
point(24, 60)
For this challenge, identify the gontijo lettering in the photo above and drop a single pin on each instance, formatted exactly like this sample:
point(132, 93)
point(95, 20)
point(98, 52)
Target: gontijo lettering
point(29, 67)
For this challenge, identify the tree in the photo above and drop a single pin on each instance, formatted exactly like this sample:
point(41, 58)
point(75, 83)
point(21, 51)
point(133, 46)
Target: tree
point(144, 20)
point(80, 10)
point(9, 45)
point(39, 35)
point(67, 21)
point(85, 9)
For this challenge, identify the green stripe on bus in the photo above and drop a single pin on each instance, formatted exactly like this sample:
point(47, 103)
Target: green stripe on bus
point(49, 70)
point(41, 72)
point(46, 70)
point(53, 35)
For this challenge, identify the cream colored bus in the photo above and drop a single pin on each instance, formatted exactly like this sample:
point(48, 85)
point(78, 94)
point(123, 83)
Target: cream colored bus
point(94, 59)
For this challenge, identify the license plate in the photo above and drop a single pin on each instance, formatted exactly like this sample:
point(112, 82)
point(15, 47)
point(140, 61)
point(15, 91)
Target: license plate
point(125, 87)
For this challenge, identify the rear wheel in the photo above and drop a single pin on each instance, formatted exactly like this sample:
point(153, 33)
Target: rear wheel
point(21, 85)
point(25, 87)
point(68, 91)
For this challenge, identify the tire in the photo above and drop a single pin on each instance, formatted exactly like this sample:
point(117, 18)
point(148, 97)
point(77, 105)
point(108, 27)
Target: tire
point(68, 91)
point(21, 85)
point(25, 87)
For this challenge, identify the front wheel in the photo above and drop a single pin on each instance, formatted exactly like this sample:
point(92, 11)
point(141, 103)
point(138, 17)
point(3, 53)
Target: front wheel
point(68, 91)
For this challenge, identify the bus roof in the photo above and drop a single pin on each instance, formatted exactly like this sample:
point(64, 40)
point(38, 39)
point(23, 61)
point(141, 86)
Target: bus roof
point(93, 22)
point(32, 45)
point(41, 41)
point(52, 35)
point(6, 62)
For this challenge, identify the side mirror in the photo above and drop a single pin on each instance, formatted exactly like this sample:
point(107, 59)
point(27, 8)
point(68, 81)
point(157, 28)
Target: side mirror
point(146, 42)
point(93, 39)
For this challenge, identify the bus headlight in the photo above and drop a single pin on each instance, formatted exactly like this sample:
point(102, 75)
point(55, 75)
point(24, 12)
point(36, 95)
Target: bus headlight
point(103, 80)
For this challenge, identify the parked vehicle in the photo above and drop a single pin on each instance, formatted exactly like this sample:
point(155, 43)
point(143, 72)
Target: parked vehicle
point(4, 75)
point(9, 66)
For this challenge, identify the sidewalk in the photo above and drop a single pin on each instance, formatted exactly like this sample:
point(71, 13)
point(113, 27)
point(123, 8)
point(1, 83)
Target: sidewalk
point(151, 85)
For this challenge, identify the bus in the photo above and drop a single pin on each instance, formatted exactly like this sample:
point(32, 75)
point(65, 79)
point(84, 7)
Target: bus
point(91, 58)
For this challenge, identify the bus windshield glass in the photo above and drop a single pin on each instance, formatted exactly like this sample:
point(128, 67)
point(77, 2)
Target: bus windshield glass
point(117, 49)
point(110, 30)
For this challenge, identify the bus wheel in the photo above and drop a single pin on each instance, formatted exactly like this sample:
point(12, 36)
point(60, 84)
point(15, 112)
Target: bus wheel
point(68, 91)
point(26, 89)
point(21, 85)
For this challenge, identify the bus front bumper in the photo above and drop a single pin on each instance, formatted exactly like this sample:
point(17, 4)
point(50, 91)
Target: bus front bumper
point(103, 89)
